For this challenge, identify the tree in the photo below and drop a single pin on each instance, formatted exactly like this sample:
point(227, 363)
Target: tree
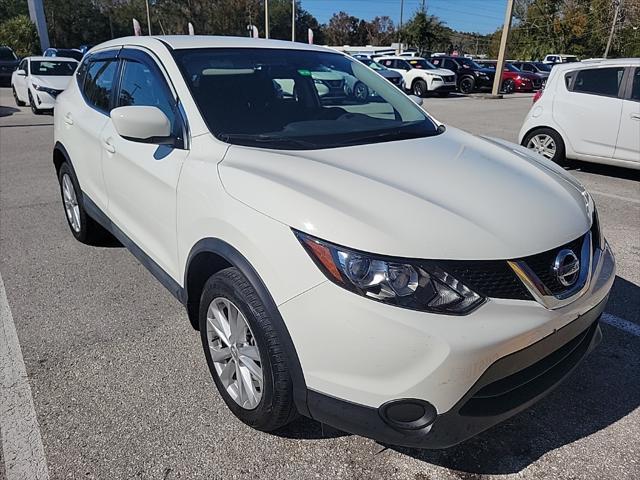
point(425, 32)
point(20, 34)
point(341, 29)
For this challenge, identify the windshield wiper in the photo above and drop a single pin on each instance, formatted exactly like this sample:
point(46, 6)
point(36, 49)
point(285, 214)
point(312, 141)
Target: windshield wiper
point(395, 134)
point(267, 139)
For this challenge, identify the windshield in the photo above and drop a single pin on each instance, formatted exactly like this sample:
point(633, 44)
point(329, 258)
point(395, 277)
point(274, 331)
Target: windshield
point(372, 65)
point(45, 68)
point(297, 99)
point(468, 63)
point(421, 64)
point(6, 55)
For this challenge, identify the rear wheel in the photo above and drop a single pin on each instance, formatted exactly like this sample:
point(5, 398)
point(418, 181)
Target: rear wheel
point(244, 353)
point(19, 102)
point(466, 85)
point(546, 142)
point(84, 228)
point(419, 88)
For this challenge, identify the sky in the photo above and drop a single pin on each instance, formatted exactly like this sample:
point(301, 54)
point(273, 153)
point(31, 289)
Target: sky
point(482, 16)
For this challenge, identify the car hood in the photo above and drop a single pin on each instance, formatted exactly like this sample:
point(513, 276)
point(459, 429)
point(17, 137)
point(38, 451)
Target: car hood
point(58, 82)
point(388, 73)
point(452, 196)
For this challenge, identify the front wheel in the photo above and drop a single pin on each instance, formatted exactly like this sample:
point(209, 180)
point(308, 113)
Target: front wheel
point(546, 142)
point(419, 88)
point(508, 86)
point(244, 353)
point(466, 85)
point(361, 92)
point(32, 104)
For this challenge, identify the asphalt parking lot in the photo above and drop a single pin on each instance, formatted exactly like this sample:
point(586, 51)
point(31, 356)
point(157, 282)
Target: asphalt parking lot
point(121, 389)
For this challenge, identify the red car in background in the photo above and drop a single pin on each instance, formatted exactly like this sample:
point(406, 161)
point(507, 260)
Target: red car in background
point(514, 79)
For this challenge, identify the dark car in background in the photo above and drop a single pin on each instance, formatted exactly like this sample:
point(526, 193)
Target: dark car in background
point(64, 52)
point(539, 68)
point(8, 63)
point(514, 79)
point(393, 77)
point(471, 76)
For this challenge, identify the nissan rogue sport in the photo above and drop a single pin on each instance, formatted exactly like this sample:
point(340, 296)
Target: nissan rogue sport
point(356, 262)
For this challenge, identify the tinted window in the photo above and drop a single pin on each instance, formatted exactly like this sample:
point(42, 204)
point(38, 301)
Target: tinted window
point(436, 61)
point(52, 68)
point(599, 81)
point(98, 83)
point(142, 85)
point(6, 55)
point(297, 99)
point(635, 88)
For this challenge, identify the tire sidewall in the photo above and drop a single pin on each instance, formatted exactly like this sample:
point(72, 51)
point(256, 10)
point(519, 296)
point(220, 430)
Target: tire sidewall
point(419, 88)
point(469, 81)
point(221, 286)
point(559, 156)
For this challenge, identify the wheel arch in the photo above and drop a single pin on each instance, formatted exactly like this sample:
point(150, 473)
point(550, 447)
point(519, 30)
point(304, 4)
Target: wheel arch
point(210, 255)
point(60, 156)
point(543, 127)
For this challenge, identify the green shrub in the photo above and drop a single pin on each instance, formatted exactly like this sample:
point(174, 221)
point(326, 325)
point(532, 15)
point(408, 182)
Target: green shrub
point(21, 35)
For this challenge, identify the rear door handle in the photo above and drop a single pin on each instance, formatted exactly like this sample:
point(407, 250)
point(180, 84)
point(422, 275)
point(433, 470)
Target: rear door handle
point(108, 146)
point(68, 119)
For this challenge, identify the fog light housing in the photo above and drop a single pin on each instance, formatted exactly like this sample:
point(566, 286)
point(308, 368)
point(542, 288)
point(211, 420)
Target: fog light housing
point(408, 414)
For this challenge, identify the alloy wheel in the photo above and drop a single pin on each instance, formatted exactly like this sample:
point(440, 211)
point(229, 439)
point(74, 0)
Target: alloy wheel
point(70, 200)
point(234, 353)
point(543, 144)
point(466, 85)
point(361, 92)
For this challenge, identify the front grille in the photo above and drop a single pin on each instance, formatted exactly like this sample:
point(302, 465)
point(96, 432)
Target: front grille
point(334, 83)
point(395, 80)
point(542, 264)
point(496, 279)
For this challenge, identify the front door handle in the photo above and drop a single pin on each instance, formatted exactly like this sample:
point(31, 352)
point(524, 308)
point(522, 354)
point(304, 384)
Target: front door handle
point(635, 116)
point(108, 146)
point(68, 119)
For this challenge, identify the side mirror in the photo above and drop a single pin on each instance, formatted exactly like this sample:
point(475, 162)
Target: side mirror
point(142, 124)
point(21, 72)
point(417, 100)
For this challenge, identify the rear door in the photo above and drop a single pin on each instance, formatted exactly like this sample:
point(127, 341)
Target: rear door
point(20, 81)
point(142, 177)
point(628, 145)
point(588, 108)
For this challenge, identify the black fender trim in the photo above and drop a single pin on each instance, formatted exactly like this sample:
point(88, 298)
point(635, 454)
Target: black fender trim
point(235, 258)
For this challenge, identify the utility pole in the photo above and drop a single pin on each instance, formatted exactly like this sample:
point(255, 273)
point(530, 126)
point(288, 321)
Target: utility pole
point(266, 18)
point(613, 27)
point(497, 81)
point(400, 26)
point(36, 12)
point(148, 19)
point(293, 20)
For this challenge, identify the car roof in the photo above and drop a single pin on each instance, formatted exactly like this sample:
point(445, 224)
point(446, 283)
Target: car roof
point(51, 59)
point(179, 42)
point(625, 62)
point(399, 57)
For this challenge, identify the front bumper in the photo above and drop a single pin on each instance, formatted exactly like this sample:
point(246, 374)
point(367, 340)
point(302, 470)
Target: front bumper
point(507, 387)
point(444, 87)
point(357, 355)
point(44, 100)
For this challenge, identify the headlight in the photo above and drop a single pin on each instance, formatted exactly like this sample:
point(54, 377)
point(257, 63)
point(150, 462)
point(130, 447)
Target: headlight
point(36, 86)
point(417, 285)
point(51, 91)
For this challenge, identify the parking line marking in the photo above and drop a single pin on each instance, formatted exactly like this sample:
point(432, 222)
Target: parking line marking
point(617, 197)
point(21, 440)
point(621, 323)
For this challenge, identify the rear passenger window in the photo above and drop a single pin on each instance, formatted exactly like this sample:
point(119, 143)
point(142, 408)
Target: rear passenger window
point(98, 83)
point(599, 81)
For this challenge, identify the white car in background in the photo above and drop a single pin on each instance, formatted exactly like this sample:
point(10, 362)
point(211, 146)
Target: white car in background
point(420, 76)
point(554, 58)
point(588, 111)
point(39, 80)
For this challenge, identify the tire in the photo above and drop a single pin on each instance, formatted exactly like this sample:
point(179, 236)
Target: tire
point(535, 140)
point(419, 88)
point(225, 292)
point(508, 86)
point(360, 92)
point(19, 102)
point(84, 228)
point(32, 104)
point(467, 84)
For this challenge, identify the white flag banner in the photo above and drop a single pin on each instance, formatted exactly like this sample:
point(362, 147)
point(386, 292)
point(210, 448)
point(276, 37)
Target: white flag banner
point(255, 32)
point(137, 31)
point(191, 29)
point(310, 35)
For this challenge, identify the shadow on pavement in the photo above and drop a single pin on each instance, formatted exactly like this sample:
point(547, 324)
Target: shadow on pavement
point(601, 391)
point(7, 111)
point(608, 170)
point(307, 429)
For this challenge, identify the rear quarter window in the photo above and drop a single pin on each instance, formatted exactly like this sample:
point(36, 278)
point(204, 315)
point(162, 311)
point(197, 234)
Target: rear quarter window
point(597, 81)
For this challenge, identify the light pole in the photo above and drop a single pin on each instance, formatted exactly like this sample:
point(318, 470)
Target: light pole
point(148, 19)
point(293, 20)
point(497, 81)
point(36, 12)
point(266, 18)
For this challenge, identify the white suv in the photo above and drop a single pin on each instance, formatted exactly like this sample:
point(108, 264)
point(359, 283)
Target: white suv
point(354, 262)
point(420, 76)
point(588, 111)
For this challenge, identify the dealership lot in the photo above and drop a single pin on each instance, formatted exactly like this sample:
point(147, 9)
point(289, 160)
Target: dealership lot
point(121, 389)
